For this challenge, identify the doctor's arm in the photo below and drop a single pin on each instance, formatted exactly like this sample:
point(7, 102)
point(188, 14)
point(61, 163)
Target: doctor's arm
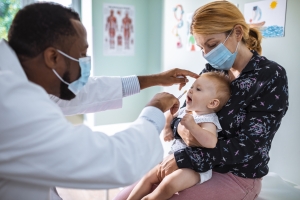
point(39, 146)
point(105, 93)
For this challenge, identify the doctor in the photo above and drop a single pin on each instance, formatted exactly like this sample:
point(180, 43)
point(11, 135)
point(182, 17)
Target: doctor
point(39, 149)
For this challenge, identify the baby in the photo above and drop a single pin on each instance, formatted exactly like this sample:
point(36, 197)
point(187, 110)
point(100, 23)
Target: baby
point(208, 94)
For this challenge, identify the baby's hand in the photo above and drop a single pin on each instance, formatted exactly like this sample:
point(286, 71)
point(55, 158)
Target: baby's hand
point(168, 134)
point(188, 121)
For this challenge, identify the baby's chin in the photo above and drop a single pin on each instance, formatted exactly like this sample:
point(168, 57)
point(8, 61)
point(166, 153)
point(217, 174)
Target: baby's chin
point(188, 107)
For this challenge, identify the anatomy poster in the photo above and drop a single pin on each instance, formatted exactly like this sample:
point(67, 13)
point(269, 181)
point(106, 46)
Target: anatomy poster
point(118, 22)
point(268, 16)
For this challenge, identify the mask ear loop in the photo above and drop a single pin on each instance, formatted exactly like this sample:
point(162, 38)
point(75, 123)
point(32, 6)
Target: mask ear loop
point(228, 36)
point(58, 76)
point(67, 55)
point(237, 46)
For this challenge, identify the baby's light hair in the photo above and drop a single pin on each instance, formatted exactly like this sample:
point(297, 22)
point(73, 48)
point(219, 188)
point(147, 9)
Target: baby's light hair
point(222, 83)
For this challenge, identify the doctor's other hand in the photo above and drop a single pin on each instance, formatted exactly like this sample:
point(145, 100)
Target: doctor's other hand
point(167, 78)
point(165, 101)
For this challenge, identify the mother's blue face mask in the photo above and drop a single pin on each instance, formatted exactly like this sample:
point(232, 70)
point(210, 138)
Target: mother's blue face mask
point(220, 57)
point(85, 66)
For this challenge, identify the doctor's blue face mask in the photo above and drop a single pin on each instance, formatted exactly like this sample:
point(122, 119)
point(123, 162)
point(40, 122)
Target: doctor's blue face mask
point(85, 66)
point(220, 57)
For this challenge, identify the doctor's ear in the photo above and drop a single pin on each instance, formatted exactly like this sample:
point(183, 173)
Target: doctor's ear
point(238, 32)
point(51, 57)
point(213, 103)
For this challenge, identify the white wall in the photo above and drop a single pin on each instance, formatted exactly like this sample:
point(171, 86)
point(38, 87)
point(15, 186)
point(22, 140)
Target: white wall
point(146, 60)
point(285, 159)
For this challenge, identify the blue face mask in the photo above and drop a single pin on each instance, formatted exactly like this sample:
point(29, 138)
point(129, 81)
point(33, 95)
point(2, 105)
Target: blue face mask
point(220, 57)
point(85, 66)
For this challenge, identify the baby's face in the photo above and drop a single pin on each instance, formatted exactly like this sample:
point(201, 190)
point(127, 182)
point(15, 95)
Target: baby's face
point(200, 94)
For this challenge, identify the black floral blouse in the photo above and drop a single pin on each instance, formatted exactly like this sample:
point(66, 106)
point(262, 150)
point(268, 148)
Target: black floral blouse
point(249, 120)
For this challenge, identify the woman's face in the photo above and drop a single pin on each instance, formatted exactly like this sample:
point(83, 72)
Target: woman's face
point(208, 42)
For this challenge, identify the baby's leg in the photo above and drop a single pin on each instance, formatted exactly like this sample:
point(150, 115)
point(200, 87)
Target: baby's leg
point(144, 186)
point(177, 181)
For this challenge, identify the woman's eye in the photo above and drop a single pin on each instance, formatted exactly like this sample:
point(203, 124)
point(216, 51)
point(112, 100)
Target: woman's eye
point(212, 46)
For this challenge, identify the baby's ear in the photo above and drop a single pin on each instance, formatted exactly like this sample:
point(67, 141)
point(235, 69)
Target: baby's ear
point(214, 103)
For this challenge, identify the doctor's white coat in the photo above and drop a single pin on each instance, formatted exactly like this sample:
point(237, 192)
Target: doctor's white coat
point(40, 149)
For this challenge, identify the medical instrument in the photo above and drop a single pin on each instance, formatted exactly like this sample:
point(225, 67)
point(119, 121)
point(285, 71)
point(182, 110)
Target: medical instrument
point(182, 94)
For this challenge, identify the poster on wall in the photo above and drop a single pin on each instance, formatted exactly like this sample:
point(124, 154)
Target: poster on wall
point(118, 30)
point(191, 42)
point(178, 25)
point(268, 16)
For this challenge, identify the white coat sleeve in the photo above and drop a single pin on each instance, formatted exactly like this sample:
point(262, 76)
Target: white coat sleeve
point(99, 94)
point(39, 146)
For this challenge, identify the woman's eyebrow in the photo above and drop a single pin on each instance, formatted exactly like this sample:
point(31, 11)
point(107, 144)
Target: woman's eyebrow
point(209, 40)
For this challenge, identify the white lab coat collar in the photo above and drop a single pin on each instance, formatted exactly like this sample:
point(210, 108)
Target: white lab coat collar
point(9, 60)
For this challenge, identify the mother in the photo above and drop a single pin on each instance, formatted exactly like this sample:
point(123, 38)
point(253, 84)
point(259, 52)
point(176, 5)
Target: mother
point(251, 117)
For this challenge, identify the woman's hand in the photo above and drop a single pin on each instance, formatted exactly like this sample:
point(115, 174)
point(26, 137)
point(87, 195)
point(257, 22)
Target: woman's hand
point(166, 167)
point(187, 137)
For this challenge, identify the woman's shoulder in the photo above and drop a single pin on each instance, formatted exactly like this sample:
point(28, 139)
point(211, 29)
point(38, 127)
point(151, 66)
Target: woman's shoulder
point(263, 68)
point(269, 66)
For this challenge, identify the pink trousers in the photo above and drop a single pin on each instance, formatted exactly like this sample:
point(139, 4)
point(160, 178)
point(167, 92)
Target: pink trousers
point(220, 187)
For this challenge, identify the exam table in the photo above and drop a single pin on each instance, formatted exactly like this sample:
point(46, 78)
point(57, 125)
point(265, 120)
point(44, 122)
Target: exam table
point(273, 186)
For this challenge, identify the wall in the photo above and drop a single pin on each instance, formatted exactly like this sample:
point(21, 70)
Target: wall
point(285, 148)
point(147, 58)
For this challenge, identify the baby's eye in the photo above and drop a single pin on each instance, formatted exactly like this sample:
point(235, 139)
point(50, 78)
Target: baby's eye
point(198, 89)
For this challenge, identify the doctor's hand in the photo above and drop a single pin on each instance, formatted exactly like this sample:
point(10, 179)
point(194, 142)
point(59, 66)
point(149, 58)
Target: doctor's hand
point(165, 101)
point(167, 78)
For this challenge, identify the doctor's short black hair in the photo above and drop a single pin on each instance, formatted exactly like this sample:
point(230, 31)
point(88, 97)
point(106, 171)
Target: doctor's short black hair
point(39, 26)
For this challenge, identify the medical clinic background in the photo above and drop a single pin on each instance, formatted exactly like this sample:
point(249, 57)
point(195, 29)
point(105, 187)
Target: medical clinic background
point(155, 52)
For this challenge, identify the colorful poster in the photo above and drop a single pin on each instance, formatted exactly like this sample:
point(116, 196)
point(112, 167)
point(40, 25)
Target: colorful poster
point(118, 27)
point(191, 42)
point(178, 16)
point(268, 16)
